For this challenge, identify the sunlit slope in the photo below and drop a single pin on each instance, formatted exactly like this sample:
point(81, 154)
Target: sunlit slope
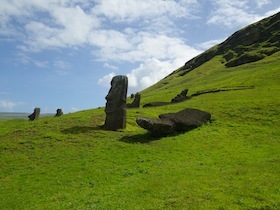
point(263, 75)
point(235, 62)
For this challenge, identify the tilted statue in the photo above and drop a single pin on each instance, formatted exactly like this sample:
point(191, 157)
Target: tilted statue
point(35, 115)
point(116, 104)
point(136, 101)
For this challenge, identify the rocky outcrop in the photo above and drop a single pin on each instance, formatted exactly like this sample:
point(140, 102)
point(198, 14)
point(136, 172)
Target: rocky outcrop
point(249, 44)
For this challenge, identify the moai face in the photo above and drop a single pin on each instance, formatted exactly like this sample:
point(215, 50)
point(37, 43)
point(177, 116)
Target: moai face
point(116, 104)
point(116, 98)
point(35, 115)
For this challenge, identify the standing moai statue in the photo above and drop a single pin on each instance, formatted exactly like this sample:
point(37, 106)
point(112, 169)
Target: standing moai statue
point(35, 115)
point(136, 101)
point(58, 113)
point(116, 104)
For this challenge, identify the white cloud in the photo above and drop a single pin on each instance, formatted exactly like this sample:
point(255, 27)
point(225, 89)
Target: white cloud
point(109, 66)
point(7, 105)
point(106, 80)
point(158, 55)
point(138, 47)
point(236, 13)
point(75, 22)
point(261, 3)
point(152, 70)
point(41, 36)
point(207, 45)
point(25, 59)
point(272, 12)
point(231, 13)
point(61, 67)
point(148, 73)
point(110, 40)
point(127, 10)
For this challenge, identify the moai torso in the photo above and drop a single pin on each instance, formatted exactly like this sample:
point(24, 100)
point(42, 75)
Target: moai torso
point(116, 104)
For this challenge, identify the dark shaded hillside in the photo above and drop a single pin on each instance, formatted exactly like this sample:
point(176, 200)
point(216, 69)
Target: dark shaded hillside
point(249, 44)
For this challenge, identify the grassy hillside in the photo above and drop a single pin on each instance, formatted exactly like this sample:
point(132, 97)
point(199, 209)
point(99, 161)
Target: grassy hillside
point(249, 44)
point(233, 163)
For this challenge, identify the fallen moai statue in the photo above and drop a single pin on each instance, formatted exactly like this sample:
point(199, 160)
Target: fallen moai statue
point(169, 123)
point(153, 104)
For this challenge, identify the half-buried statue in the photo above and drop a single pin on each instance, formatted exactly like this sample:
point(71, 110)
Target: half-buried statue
point(116, 104)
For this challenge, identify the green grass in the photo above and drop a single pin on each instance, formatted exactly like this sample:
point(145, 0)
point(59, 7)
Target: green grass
point(70, 162)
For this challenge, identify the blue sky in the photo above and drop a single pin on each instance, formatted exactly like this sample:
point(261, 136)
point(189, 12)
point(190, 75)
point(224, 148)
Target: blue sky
point(63, 53)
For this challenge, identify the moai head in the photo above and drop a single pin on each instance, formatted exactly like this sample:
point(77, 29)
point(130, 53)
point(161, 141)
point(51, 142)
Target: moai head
point(137, 99)
point(35, 115)
point(58, 113)
point(116, 104)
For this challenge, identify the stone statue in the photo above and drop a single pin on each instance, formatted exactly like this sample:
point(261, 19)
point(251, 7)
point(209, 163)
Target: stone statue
point(58, 113)
point(116, 104)
point(35, 115)
point(181, 97)
point(169, 123)
point(136, 101)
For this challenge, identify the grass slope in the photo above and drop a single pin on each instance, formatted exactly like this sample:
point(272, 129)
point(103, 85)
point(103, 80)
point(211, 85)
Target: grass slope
point(233, 163)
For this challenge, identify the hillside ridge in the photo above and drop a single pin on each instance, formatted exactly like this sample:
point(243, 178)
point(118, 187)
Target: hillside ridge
point(250, 44)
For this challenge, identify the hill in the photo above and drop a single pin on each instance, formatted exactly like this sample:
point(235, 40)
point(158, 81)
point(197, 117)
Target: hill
point(70, 162)
point(250, 44)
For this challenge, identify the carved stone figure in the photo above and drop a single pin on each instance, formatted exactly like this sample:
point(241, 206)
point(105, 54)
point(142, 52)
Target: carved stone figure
point(35, 115)
point(116, 104)
point(182, 121)
point(58, 113)
point(136, 101)
point(181, 97)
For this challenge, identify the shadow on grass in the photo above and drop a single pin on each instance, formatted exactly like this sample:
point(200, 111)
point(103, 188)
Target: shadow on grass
point(140, 138)
point(80, 129)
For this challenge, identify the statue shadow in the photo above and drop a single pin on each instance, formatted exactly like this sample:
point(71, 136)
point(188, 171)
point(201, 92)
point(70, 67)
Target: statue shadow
point(148, 137)
point(140, 138)
point(80, 129)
